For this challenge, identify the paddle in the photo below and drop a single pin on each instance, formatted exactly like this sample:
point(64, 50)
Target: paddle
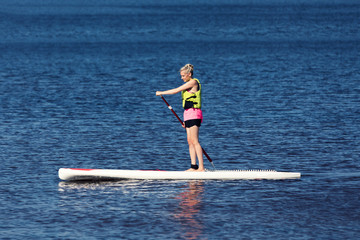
point(182, 123)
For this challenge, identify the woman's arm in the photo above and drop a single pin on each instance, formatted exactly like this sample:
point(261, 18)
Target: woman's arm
point(183, 87)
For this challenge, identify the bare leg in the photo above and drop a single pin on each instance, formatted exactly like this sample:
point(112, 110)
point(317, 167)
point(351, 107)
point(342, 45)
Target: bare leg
point(192, 150)
point(195, 149)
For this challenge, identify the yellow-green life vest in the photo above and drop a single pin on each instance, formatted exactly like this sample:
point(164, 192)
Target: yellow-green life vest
point(192, 100)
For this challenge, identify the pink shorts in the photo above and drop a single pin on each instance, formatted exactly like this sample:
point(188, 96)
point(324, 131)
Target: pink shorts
point(193, 113)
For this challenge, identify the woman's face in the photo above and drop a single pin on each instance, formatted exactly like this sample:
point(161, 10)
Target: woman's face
point(185, 76)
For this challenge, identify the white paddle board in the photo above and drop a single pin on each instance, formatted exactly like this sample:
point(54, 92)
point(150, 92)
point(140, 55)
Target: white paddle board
point(78, 174)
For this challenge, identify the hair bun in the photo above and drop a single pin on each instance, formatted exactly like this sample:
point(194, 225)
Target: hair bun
point(189, 68)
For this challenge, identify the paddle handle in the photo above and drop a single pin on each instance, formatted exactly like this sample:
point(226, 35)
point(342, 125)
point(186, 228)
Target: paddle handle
point(207, 156)
point(170, 107)
point(182, 123)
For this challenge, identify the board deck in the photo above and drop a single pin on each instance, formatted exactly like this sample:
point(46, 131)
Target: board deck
point(78, 174)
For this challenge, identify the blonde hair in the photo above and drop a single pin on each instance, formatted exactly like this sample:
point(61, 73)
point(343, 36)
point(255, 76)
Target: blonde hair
point(188, 68)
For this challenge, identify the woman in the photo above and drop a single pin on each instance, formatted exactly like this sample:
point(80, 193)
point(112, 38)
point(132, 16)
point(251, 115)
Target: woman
point(191, 99)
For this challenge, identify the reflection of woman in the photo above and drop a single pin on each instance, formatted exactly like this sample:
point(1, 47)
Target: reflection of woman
point(191, 96)
point(190, 203)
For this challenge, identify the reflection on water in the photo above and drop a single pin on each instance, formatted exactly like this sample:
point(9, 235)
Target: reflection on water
point(63, 186)
point(189, 208)
point(184, 213)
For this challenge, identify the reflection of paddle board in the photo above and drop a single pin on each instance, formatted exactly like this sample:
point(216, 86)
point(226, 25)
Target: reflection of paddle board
point(76, 174)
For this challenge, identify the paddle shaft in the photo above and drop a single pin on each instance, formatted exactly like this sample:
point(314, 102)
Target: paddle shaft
point(182, 123)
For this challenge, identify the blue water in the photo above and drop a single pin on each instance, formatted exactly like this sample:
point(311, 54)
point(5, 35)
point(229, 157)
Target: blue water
point(281, 87)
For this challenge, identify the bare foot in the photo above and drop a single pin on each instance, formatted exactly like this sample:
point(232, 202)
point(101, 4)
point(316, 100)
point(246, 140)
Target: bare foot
point(190, 170)
point(201, 170)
